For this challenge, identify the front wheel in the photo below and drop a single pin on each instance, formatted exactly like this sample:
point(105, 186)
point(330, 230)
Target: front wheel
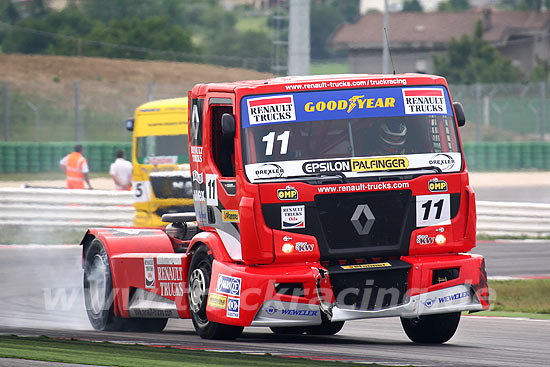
point(326, 328)
point(200, 272)
point(431, 329)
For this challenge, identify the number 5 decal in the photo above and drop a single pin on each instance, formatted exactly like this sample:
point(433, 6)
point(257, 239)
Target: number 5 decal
point(211, 190)
point(432, 210)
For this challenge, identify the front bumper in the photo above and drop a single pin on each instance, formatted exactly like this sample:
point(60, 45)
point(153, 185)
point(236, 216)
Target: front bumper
point(258, 302)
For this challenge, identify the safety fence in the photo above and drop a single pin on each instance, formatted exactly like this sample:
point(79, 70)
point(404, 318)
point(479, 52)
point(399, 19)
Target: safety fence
point(45, 157)
point(92, 208)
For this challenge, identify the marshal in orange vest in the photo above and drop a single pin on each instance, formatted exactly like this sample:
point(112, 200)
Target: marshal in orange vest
point(76, 169)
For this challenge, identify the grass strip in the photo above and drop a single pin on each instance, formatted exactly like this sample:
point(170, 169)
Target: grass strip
point(110, 354)
point(523, 315)
point(531, 296)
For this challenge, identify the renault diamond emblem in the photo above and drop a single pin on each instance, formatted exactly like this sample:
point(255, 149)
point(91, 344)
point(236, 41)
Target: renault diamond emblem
point(356, 219)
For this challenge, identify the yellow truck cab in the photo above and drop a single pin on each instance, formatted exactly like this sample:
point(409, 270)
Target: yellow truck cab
point(161, 178)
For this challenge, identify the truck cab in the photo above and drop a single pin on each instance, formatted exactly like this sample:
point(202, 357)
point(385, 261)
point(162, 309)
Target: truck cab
point(161, 180)
point(319, 200)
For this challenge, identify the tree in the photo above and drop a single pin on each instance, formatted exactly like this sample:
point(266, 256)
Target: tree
point(541, 71)
point(529, 5)
point(150, 38)
point(472, 59)
point(411, 6)
point(50, 34)
point(324, 19)
point(8, 12)
point(453, 5)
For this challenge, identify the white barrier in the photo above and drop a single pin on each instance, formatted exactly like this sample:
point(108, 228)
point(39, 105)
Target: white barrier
point(498, 218)
point(97, 208)
point(65, 208)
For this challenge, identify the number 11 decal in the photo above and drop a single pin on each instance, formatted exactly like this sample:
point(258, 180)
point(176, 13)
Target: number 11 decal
point(211, 190)
point(432, 210)
point(269, 139)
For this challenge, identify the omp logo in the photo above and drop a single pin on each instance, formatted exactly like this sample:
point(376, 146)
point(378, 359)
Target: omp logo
point(288, 193)
point(436, 185)
point(362, 226)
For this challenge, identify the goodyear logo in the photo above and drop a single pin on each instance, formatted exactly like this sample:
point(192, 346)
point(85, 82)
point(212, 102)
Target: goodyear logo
point(436, 185)
point(288, 193)
point(366, 266)
point(230, 216)
point(379, 164)
point(350, 104)
point(217, 300)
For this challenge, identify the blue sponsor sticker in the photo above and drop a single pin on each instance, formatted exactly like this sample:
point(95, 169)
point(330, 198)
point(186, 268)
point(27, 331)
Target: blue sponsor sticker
point(228, 285)
point(344, 104)
point(233, 307)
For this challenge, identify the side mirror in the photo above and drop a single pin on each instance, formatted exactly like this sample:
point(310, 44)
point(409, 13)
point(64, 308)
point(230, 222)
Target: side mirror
point(459, 112)
point(228, 126)
point(130, 124)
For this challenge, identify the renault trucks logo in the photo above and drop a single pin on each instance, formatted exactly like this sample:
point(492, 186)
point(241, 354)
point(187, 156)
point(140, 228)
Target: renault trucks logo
point(424, 101)
point(362, 219)
point(271, 109)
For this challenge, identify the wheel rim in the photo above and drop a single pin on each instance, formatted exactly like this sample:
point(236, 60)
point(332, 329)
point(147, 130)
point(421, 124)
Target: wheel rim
point(197, 292)
point(97, 281)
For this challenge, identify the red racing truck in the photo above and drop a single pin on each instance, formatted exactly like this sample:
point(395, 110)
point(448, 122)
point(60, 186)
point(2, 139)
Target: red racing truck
point(317, 200)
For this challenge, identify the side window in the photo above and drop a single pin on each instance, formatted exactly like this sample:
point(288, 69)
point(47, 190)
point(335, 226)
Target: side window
point(223, 150)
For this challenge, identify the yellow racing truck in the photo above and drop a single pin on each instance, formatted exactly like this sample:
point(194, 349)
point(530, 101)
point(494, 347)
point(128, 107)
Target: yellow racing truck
point(161, 179)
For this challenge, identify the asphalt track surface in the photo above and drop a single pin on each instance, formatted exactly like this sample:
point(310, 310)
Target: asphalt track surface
point(41, 295)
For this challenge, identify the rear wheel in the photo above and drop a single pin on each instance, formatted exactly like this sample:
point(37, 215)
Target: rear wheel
point(99, 296)
point(200, 272)
point(98, 289)
point(431, 329)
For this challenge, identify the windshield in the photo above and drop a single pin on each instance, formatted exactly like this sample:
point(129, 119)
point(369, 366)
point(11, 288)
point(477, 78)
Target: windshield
point(162, 149)
point(349, 132)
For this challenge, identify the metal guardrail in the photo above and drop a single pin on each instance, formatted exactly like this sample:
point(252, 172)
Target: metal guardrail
point(97, 208)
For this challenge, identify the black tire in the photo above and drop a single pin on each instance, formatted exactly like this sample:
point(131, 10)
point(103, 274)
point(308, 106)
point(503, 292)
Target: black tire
point(98, 289)
point(153, 325)
point(289, 330)
point(200, 271)
point(326, 327)
point(431, 329)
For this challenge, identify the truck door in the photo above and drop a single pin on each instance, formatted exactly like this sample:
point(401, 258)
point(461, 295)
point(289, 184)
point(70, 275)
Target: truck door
point(213, 170)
